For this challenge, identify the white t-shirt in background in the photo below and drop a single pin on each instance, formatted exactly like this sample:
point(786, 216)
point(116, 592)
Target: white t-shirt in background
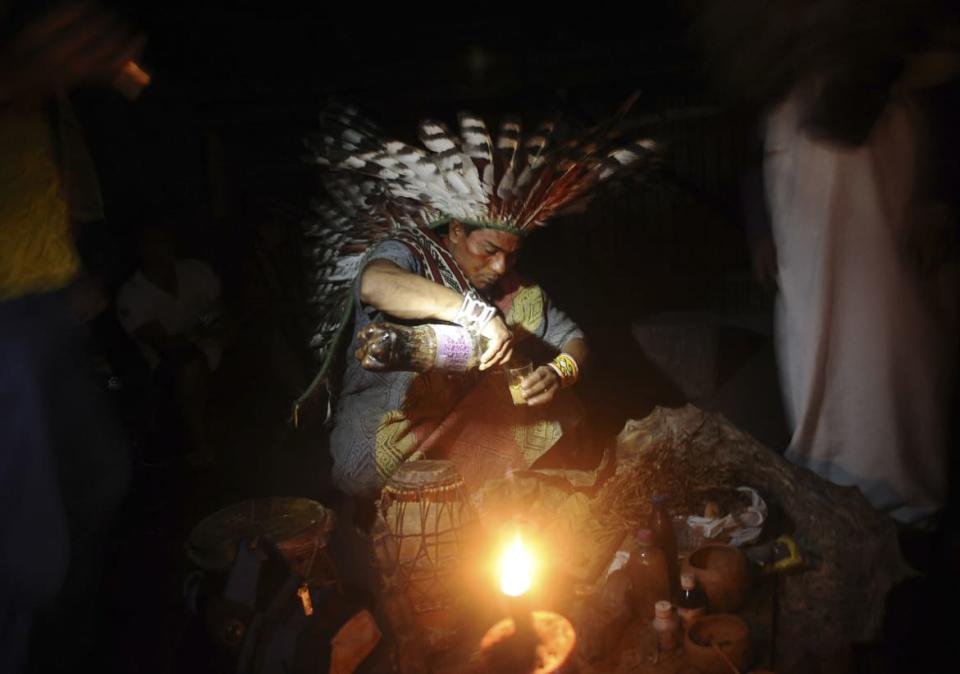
point(141, 302)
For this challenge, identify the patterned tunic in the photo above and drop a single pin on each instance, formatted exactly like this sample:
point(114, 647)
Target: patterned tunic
point(383, 419)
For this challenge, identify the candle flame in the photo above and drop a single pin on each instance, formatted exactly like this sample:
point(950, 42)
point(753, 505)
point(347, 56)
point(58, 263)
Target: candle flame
point(516, 569)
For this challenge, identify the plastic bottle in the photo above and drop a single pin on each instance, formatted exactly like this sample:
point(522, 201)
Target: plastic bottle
point(692, 602)
point(649, 578)
point(446, 348)
point(665, 538)
point(666, 625)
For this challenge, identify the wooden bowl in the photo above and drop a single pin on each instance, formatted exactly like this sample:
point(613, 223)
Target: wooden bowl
point(728, 632)
point(722, 572)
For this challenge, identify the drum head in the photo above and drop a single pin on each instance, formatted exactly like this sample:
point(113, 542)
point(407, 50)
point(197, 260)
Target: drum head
point(213, 543)
point(415, 475)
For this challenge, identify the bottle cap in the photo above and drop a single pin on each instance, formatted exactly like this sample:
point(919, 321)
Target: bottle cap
point(645, 537)
point(688, 581)
point(663, 609)
point(659, 499)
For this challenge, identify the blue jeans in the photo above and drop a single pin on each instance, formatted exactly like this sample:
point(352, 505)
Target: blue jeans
point(64, 466)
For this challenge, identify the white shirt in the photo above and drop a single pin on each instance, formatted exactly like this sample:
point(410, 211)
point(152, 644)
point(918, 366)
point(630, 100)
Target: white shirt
point(864, 362)
point(141, 302)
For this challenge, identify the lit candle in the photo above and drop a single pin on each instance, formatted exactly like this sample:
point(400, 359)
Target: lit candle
point(516, 577)
point(516, 569)
point(528, 642)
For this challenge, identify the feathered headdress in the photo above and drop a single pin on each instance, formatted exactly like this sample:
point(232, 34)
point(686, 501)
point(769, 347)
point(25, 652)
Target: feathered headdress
point(512, 182)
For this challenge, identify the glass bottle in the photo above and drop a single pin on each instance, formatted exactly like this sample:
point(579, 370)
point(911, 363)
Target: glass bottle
point(665, 538)
point(692, 602)
point(649, 578)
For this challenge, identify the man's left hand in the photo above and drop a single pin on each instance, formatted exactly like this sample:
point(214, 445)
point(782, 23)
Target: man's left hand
point(541, 386)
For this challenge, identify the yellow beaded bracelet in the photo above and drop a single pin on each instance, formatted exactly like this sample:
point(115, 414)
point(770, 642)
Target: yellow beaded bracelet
point(566, 368)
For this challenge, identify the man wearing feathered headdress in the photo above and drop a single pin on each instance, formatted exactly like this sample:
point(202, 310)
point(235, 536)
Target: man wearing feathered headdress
point(447, 224)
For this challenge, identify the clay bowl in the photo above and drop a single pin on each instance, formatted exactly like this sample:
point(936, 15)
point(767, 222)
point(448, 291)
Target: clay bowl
point(730, 634)
point(723, 574)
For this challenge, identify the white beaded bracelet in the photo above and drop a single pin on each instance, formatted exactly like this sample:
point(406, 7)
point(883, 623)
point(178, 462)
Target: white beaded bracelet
point(474, 313)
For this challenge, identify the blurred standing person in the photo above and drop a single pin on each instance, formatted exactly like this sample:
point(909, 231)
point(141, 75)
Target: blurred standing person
point(63, 466)
point(865, 317)
point(862, 326)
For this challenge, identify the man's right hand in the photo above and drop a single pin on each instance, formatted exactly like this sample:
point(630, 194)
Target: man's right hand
point(499, 343)
point(75, 43)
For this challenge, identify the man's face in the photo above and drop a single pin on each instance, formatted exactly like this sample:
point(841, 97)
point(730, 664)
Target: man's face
point(485, 255)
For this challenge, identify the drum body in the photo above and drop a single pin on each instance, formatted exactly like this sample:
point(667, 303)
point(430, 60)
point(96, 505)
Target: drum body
point(428, 530)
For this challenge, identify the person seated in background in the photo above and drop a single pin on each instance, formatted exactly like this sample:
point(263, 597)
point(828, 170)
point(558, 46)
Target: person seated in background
point(172, 307)
point(117, 365)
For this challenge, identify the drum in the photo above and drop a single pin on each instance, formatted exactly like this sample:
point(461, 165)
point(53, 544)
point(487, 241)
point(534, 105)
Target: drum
point(261, 560)
point(428, 533)
point(298, 527)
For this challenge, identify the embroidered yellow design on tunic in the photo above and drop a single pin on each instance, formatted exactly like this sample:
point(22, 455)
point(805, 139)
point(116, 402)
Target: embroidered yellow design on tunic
point(526, 312)
point(432, 395)
point(525, 318)
point(394, 442)
point(534, 439)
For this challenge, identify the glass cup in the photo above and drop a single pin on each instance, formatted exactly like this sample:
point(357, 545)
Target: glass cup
point(517, 371)
point(688, 538)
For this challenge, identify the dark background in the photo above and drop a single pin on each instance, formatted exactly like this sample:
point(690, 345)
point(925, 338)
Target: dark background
point(213, 148)
point(214, 145)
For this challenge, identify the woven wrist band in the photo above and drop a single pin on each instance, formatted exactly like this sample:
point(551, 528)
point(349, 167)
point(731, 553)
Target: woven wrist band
point(566, 368)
